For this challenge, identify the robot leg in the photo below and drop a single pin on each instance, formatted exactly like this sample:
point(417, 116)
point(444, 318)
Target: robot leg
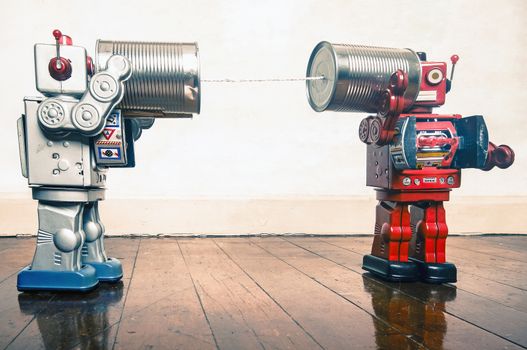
point(57, 261)
point(428, 244)
point(389, 254)
point(107, 269)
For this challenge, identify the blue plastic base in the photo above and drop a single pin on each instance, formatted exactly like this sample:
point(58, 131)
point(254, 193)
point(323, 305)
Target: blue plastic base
point(392, 271)
point(436, 273)
point(83, 280)
point(109, 271)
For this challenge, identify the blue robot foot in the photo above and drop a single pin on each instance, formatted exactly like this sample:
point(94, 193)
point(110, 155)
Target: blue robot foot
point(436, 273)
point(392, 271)
point(83, 280)
point(109, 271)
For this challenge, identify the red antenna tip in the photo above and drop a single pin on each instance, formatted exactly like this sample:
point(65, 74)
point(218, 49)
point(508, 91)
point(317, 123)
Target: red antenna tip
point(454, 59)
point(57, 34)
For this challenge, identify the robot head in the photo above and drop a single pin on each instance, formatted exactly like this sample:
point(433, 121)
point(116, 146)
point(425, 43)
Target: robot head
point(434, 84)
point(354, 78)
point(62, 69)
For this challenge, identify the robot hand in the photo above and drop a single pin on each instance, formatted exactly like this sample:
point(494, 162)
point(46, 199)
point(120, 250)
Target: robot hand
point(501, 156)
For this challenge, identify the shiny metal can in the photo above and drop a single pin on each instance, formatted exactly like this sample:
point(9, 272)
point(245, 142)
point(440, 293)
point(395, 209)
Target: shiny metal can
point(355, 76)
point(165, 77)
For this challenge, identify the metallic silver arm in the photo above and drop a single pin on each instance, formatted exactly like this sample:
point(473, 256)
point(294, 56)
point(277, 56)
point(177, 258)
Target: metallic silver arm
point(88, 116)
point(22, 145)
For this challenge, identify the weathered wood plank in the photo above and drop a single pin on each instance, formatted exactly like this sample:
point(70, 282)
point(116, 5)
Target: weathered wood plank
point(67, 320)
point(13, 320)
point(494, 317)
point(482, 244)
point(241, 315)
point(423, 318)
point(270, 293)
point(333, 322)
point(162, 309)
point(15, 254)
point(517, 243)
point(469, 278)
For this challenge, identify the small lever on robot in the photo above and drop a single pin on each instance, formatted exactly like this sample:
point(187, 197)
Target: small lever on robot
point(453, 59)
point(60, 67)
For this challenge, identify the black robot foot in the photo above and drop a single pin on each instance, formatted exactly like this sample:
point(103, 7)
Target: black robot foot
point(436, 273)
point(393, 271)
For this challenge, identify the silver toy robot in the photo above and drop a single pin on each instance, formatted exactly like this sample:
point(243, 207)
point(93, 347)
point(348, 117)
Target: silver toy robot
point(87, 122)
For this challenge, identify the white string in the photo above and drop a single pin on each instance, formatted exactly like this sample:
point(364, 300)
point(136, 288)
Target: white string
point(227, 80)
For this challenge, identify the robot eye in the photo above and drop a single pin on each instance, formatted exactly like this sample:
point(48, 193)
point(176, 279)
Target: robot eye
point(434, 77)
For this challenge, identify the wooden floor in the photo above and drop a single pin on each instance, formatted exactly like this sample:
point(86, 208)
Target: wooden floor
point(272, 293)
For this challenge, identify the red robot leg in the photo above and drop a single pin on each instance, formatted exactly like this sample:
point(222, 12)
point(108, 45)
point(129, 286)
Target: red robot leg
point(389, 254)
point(427, 249)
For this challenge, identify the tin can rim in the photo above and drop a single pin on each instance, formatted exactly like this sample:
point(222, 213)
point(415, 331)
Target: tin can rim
point(331, 49)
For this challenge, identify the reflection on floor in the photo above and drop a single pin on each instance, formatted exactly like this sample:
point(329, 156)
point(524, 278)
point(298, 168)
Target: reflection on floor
point(284, 293)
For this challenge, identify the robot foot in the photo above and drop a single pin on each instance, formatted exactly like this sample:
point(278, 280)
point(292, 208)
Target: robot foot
point(436, 273)
point(83, 280)
point(393, 271)
point(109, 271)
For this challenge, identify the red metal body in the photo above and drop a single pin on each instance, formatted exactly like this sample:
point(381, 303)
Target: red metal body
point(414, 159)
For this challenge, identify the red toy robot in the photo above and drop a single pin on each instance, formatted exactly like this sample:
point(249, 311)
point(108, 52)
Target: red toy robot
point(414, 156)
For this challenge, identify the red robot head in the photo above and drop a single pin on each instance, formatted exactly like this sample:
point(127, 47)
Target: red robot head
point(434, 83)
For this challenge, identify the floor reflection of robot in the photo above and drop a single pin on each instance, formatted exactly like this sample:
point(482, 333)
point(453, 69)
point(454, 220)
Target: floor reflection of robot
point(414, 156)
point(75, 321)
point(87, 121)
point(426, 315)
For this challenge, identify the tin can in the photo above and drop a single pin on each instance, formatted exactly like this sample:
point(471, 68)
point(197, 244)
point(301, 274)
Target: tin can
point(355, 76)
point(165, 77)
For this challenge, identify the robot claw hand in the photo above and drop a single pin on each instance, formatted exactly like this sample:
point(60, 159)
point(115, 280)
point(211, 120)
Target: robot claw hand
point(501, 156)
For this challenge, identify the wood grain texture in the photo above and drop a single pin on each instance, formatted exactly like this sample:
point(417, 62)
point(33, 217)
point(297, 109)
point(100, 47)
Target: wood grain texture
point(271, 293)
point(490, 315)
point(72, 320)
point(162, 309)
point(333, 322)
point(422, 318)
point(240, 313)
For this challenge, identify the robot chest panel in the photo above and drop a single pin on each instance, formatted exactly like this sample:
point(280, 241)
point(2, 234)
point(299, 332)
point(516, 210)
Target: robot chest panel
point(65, 160)
point(419, 158)
point(419, 144)
point(382, 173)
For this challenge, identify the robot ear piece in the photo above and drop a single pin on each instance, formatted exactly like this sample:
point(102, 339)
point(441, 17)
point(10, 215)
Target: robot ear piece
point(399, 82)
point(448, 85)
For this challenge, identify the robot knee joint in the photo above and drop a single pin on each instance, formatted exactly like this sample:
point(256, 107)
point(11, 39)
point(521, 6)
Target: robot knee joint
point(67, 240)
point(93, 230)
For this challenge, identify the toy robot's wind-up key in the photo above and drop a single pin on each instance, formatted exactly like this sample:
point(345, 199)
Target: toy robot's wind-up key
point(88, 121)
point(414, 156)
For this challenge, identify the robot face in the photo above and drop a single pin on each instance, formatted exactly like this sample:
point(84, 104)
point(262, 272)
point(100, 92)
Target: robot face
point(73, 82)
point(433, 85)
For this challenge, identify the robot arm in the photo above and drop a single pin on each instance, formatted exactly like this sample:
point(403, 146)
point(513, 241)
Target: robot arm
point(501, 156)
point(88, 116)
point(380, 130)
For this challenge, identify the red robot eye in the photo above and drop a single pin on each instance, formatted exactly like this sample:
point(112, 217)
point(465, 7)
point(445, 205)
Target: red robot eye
point(434, 77)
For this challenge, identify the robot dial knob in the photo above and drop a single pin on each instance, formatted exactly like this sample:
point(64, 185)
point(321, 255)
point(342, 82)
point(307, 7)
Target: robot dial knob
point(51, 114)
point(104, 87)
point(86, 117)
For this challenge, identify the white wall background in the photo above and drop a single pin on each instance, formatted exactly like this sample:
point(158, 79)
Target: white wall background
point(263, 140)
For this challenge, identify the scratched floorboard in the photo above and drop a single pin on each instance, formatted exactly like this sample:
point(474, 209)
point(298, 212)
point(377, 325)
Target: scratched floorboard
point(271, 293)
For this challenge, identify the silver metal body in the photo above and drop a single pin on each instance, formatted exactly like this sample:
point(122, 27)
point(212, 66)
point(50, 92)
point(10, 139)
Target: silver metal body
point(166, 77)
point(70, 232)
point(75, 86)
point(356, 75)
point(55, 143)
point(69, 137)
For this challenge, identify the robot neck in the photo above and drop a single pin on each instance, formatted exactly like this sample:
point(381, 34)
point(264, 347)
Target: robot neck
point(419, 110)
